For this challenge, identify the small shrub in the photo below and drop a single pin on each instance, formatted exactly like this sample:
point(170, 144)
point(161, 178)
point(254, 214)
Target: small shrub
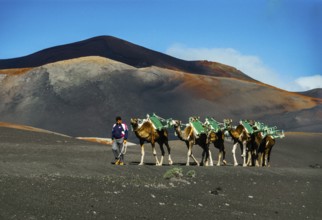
point(173, 173)
point(191, 174)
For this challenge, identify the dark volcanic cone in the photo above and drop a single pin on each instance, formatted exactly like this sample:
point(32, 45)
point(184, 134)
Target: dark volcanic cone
point(122, 51)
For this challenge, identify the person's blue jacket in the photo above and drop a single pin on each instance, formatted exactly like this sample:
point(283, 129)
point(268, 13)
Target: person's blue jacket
point(119, 131)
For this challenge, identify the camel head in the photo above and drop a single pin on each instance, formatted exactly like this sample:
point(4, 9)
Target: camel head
point(228, 123)
point(135, 123)
point(175, 123)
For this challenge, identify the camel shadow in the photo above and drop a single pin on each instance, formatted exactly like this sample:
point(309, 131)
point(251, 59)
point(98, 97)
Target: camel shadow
point(164, 164)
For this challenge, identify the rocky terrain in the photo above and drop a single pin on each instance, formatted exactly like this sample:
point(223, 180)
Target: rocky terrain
point(50, 176)
point(81, 97)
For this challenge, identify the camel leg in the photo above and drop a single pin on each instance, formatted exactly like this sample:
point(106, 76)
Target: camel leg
point(169, 152)
point(205, 158)
point(162, 154)
point(191, 155)
point(244, 153)
point(269, 156)
point(194, 159)
point(265, 160)
point(261, 159)
point(154, 152)
point(202, 158)
point(142, 154)
point(211, 162)
point(188, 155)
point(207, 153)
point(234, 153)
point(249, 158)
point(224, 157)
point(219, 157)
point(258, 159)
point(265, 157)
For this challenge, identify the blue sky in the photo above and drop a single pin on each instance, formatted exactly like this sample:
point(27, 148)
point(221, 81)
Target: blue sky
point(275, 41)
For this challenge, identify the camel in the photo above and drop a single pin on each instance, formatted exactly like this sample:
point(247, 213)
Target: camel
point(188, 136)
point(253, 143)
point(261, 149)
point(146, 132)
point(263, 143)
point(264, 151)
point(217, 137)
point(239, 136)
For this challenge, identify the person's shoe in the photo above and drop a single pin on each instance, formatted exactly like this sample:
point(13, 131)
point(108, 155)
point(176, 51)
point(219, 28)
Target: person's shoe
point(121, 163)
point(117, 162)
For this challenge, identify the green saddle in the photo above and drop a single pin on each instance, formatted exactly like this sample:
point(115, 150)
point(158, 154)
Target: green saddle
point(213, 124)
point(159, 122)
point(247, 126)
point(266, 130)
point(197, 125)
point(275, 133)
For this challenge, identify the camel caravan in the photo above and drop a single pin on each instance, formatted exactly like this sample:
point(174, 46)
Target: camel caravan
point(255, 139)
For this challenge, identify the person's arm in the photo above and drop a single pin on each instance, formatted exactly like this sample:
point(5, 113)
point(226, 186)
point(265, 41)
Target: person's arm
point(126, 132)
point(113, 132)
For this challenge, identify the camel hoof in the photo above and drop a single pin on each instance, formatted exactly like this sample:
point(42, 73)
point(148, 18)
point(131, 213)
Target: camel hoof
point(236, 164)
point(244, 165)
point(140, 164)
point(170, 162)
point(158, 164)
point(187, 164)
point(218, 164)
point(224, 162)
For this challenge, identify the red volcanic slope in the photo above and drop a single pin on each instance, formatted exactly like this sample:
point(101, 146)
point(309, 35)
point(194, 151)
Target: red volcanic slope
point(122, 51)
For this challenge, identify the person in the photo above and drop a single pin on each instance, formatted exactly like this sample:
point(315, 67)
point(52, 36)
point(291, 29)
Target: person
point(119, 138)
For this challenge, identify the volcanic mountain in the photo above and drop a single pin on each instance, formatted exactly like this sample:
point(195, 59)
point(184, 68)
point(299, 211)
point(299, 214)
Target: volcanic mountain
point(81, 96)
point(122, 51)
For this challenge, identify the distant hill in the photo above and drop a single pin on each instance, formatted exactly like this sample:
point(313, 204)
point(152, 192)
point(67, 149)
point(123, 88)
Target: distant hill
point(122, 51)
point(82, 96)
point(316, 93)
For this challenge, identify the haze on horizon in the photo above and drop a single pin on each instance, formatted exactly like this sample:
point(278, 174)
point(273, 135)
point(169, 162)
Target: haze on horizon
point(274, 41)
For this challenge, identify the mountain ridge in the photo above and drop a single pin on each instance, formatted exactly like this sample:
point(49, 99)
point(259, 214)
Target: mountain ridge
point(315, 93)
point(122, 51)
point(82, 96)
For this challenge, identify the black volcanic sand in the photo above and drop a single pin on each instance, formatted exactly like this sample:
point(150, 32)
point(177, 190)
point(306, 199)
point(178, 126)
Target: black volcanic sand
point(45, 176)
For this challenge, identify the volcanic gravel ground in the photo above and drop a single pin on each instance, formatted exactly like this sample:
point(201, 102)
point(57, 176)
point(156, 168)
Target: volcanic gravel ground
point(47, 176)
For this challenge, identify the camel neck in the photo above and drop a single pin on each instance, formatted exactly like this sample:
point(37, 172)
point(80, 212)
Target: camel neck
point(178, 132)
